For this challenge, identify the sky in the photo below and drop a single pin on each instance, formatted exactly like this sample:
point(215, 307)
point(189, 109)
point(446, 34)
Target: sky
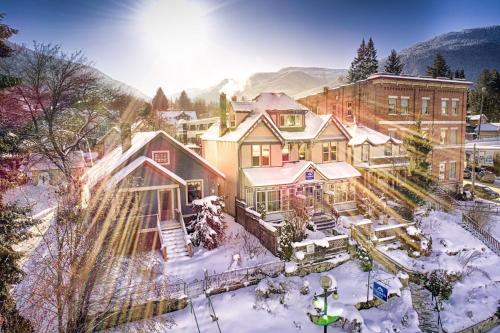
point(183, 44)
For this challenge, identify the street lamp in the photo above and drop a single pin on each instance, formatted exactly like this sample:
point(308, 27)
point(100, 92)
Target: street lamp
point(322, 318)
point(483, 90)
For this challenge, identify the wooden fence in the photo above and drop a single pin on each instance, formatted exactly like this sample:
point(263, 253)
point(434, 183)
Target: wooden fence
point(472, 226)
point(319, 249)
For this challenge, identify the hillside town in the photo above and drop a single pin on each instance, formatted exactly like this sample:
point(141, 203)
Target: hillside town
point(368, 202)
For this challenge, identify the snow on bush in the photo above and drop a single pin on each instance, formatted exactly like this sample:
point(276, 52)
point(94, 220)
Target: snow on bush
point(364, 258)
point(300, 255)
point(412, 231)
point(208, 229)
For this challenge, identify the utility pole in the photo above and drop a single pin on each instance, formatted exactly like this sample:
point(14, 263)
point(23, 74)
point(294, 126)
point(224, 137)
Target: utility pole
point(474, 169)
point(483, 90)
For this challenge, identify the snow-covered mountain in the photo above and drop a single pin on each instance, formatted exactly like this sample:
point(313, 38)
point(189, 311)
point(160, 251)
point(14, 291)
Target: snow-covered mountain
point(470, 49)
point(105, 79)
point(294, 81)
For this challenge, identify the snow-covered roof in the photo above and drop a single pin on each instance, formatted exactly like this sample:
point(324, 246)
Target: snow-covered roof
point(269, 101)
point(242, 106)
point(116, 157)
point(361, 134)
point(488, 127)
point(475, 117)
point(419, 78)
point(38, 162)
point(110, 131)
point(337, 170)
point(172, 116)
point(120, 175)
point(289, 172)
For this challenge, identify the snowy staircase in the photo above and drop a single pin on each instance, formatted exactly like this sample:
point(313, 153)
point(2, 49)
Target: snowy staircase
point(323, 222)
point(204, 314)
point(424, 306)
point(173, 240)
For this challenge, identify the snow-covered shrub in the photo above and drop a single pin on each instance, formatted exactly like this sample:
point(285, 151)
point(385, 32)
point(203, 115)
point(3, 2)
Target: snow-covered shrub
point(269, 289)
point(261, 209)
point(304, 290)
point(365, 261)
point(208, 229)
point(250, 245)
point(285, 248)
point(439, 283)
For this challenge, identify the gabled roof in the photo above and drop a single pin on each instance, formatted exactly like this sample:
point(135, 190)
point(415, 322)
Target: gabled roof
point(111, 130)
point(243, 106)
point(488, 127)
point(269, 101)
point(291, 171)
point(111, 161)
point(123, 173)
point(362, 134)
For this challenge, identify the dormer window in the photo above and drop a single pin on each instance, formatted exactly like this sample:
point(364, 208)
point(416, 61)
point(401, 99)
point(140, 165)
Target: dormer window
point(232, 120)
point(290, 120)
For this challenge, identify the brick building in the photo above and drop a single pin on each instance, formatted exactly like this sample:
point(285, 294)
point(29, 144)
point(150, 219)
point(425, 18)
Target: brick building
point(391, 104)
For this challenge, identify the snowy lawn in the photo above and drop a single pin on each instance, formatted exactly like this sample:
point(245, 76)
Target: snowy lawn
point(475, 295)
point(42, 201)
point(243, 312)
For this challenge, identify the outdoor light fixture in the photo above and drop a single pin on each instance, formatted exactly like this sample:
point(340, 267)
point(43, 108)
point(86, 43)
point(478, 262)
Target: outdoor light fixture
point(320, 303)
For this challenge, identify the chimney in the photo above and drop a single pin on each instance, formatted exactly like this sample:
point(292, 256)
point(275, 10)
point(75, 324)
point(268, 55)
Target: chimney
point(234, 98)
point(223, 114)
point(126, 136)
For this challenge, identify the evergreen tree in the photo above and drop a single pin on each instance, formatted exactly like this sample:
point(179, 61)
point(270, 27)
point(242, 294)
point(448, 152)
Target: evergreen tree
point(439, 68)
point(489, 79)
point(394, 64)
point(160, 101)
point(285, 248)
point(365, 63)
point(459, 74)
point(371, 66)
point(14, 220)
point(208, 229)
point(355, 71)
point(418, 146)
point(183, 102)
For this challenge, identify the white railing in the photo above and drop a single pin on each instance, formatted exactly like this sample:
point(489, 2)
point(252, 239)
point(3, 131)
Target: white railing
point(187, 239)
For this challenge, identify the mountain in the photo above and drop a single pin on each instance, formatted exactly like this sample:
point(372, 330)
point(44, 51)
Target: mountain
point(470, 49)
point(294, 81)
point(105, 79)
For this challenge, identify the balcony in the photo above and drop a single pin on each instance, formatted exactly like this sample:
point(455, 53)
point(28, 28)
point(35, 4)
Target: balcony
point(384, 161)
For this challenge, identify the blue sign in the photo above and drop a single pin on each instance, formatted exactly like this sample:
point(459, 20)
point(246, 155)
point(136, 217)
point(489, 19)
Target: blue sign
point(380, 291)
point(309, 175)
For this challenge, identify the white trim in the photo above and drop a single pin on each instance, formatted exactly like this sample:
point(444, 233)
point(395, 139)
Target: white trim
point(445, 99)
point(202, 188)
point(147, 188)
point(455, 99)
point(405, 97)
point(153, 152)
point(396, 97)
point(411, 122)
point(426, 98)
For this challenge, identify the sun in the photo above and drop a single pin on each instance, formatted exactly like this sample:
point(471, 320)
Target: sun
point(177, 29)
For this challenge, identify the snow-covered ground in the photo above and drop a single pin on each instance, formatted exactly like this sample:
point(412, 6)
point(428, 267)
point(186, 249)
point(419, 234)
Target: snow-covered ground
point(475, 294)
point(42, 201)
point(243, 312)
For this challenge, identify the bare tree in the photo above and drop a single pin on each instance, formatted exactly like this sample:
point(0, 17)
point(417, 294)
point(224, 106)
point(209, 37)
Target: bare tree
point(62, 95)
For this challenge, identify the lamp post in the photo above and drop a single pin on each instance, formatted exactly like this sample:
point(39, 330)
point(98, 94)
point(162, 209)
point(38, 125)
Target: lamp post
point(483, 90)
point(329, 285)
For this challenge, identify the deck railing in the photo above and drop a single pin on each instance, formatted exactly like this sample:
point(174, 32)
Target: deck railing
point(187, 239)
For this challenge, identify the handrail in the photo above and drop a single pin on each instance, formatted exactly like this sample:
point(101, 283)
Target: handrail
point(214, 318)
point(194, 314)
point(491, 242)
point(187, 239)
point(158, 225)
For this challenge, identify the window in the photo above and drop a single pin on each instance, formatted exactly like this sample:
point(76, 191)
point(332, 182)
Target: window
point(194, 190)
point(302, 151)
point(192, 127)
point(349, 108)
point(405, 101)
point(425, 105)
point(285, 153)
point(365, 152)
point(452, 172)
point(290, 120)
point(453, 136)
point(388, 149)
point(329, 151)
point(261, 155)
point(454, 106)
point(444, 105)
point(270, 200)
point(162, 157)
point(443, 136)
point(392, 105)
point(442, 169)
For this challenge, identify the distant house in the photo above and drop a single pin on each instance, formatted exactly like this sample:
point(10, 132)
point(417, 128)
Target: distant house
point(189, 132)
point(172, 117)
point(42, 171)
point(488, 131)
point(167, 176)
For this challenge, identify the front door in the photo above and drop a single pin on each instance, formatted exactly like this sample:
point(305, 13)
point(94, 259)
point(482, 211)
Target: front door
point(166, 211)
point(318, 200)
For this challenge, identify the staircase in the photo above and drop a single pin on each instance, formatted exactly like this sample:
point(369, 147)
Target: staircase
point(424, 306)
point(323, 222)
point(173, 240)
point(204, 313)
